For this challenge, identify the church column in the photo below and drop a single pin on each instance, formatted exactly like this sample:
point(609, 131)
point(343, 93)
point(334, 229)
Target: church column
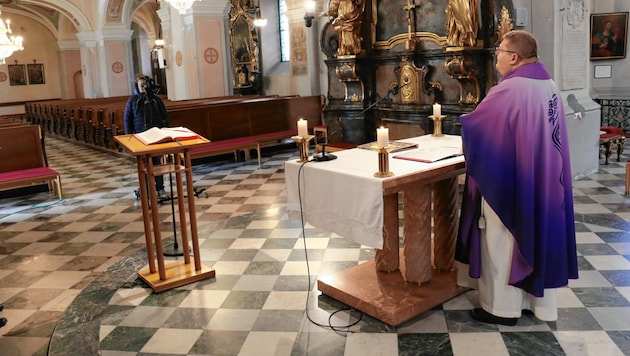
point(89, 64)
point(69, 66)
point(196, 50)
point(106, 62)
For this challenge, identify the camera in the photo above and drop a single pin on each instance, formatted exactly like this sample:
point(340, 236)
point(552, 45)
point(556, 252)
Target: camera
point(149, 86)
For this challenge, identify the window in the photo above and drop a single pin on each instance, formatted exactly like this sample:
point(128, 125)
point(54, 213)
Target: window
point(285, 40)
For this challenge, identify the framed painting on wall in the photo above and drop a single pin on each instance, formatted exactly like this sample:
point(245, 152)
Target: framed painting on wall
point(17, 74)
point(36, 73)
point(609, 35)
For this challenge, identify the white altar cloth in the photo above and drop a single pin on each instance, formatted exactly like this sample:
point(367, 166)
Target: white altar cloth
point(343, 196)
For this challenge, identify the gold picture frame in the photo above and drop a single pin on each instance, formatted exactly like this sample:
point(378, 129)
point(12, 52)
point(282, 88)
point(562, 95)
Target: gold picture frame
point(609, 35)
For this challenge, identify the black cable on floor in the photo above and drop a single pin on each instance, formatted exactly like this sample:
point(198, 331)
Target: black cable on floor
point(339, 329)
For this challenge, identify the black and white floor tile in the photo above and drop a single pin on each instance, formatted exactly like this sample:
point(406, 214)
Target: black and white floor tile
point(69, 286)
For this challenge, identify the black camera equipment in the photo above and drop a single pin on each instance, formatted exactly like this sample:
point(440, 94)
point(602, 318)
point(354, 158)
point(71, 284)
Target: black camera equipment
point(149, 88)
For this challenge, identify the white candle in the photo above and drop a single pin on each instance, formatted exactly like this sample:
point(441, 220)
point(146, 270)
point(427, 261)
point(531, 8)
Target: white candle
point(437, 109)
point(302, 126)
point(382, 137)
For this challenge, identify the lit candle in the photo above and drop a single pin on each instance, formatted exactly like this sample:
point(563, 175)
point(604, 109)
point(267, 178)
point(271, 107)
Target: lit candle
point(382, 137)
point(437, 109)
point(302, 126)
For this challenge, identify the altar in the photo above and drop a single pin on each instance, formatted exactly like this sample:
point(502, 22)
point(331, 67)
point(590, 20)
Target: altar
point(344, 197)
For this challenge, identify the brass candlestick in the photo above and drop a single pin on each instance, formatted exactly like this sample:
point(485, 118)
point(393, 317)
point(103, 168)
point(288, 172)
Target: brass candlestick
point(303, 146)
point(383, 163)
point(437, 125)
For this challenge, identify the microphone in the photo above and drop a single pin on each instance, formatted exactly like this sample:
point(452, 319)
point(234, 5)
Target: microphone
point(394, 89)
point(323, 157)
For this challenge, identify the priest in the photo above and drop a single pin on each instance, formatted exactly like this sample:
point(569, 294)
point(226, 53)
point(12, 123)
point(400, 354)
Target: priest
point(516, 239)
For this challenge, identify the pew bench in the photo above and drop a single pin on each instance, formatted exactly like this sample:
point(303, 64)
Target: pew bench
point(251, 123)
point(230, 145)
point(23, 159)
point(271, 137)
point(247, 143)
point(30, 176)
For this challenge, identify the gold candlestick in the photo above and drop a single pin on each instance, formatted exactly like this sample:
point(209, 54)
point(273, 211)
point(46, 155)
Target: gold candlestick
point(303, 146)
point(383, 163)
point(437, 125)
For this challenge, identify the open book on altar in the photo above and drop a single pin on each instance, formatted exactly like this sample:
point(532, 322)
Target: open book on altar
point(429, 155)
point(166, 134)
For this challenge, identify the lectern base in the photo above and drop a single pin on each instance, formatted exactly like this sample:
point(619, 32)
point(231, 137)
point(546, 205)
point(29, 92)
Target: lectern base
point(386, 296)
point(177, 274)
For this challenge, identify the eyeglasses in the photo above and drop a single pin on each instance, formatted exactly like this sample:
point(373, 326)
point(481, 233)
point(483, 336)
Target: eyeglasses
point(499, 49)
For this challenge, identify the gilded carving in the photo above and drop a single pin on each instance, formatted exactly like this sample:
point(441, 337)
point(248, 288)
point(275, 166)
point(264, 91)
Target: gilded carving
point(505, 24)
point(462, 69)
point(409, 83)
point(462, 23)
point(244, 44)
point(410, 44)
point(347, 73)
point(347, 19)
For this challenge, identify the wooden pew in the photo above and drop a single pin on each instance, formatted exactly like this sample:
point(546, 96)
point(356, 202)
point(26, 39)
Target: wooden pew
point(50, 114)
point(115, 117)
point(23, 159)
point(248, 124)
point(232, 123)
point(88, 121)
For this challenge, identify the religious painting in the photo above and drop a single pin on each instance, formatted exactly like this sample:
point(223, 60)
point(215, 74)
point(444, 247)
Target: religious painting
point(114, 9)
point(608, 35)
point(17, 74)
point(35, 73)
point(395, 18)
point(298, 50)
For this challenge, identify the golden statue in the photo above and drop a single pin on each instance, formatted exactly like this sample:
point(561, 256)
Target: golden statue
point(347, 18)
point(505, 24)
point(462, 23)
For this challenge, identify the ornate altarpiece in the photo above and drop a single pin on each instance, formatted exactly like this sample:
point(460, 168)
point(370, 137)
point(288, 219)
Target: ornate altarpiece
point(244, 47)
point(413, 53)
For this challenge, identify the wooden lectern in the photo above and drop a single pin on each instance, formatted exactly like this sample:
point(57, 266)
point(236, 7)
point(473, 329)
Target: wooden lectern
point(178, 273)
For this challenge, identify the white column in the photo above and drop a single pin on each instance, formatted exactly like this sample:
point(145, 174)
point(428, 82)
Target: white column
point(89, 65)
point(69, 64)
point(106, 62)
point(196, 50)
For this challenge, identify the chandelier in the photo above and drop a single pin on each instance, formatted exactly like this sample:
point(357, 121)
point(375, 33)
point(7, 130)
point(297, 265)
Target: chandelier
point(8, 45)
point(181, 5)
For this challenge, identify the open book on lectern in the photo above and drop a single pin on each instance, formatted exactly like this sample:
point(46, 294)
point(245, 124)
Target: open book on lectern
point(166, 134)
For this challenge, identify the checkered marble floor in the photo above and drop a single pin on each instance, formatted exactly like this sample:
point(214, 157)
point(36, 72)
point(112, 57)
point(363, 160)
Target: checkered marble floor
point(68, 274)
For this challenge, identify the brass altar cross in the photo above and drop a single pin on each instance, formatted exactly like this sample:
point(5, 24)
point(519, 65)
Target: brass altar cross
point(411, 5)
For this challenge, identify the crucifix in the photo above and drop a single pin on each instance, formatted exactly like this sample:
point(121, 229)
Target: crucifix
point(411, 6)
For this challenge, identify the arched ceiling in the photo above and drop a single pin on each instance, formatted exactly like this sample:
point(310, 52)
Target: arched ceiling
point(64, 19)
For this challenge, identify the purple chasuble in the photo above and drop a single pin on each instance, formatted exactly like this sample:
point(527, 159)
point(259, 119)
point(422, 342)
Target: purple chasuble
point(517, 158)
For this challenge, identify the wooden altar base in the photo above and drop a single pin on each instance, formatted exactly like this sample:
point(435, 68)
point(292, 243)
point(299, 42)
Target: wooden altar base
point(177, 274)
point(386, 296)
